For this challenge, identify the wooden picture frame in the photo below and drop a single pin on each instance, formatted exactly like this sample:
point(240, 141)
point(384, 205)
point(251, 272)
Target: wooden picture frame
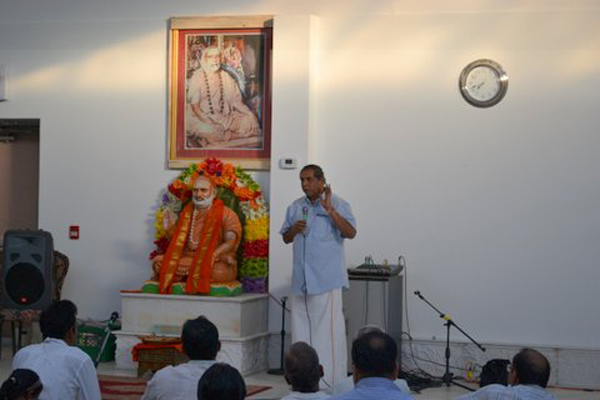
point(220, 90)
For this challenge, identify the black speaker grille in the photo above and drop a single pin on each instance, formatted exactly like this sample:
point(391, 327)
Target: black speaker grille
point(24, 284)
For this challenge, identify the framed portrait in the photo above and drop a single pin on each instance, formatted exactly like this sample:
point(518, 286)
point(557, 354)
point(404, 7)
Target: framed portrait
point(220, 90)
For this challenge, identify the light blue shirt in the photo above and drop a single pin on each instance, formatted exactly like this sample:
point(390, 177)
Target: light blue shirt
point(347, 384)
point(319, 264)
point(501, 392)
point(374, 389)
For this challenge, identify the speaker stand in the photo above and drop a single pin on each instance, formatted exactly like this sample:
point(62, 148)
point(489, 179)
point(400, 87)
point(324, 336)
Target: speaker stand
point(16, 332)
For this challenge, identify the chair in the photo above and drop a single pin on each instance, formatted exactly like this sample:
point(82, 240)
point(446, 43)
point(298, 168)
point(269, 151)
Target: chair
point(61, 267)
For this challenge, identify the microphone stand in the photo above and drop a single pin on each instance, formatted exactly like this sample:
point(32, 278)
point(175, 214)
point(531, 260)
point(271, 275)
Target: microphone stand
point(107, 331)
point(448, 376)
point(279, 371)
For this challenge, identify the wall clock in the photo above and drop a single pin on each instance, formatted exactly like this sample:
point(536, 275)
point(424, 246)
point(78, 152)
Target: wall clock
point(483, 83)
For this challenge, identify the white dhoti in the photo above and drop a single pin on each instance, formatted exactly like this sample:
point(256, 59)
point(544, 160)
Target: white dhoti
point(318, 320)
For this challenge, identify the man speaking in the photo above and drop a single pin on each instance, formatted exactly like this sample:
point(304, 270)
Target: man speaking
point(317, 224)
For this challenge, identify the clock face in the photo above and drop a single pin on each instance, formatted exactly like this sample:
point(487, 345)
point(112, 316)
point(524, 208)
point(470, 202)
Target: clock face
point(483, 83)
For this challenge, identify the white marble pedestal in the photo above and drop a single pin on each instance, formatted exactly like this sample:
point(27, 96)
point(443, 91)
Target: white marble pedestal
point(241, 320)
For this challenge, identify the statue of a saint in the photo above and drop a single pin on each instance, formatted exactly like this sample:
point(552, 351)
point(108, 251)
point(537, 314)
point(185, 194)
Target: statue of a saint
point(203, 247)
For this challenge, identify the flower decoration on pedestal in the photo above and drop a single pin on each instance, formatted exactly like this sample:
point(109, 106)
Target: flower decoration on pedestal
point(230, 181)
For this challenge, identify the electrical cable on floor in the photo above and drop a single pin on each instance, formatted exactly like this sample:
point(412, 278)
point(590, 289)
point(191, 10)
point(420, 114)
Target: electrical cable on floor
point(419, 379)
point(406, 315)
point(439, 363)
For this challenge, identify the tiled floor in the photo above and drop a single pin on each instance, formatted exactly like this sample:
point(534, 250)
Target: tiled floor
point(279, 388)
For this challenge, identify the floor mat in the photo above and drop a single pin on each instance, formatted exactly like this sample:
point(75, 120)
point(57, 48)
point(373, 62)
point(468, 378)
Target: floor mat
point(130, 388)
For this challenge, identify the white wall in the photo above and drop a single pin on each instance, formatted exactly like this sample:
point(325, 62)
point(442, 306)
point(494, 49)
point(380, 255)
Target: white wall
point(291, 126)
point(495, 210)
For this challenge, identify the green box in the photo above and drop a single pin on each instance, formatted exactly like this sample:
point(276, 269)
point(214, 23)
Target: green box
point(89, 339)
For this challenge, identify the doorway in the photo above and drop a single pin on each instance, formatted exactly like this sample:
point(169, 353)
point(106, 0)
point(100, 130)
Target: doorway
point(19, 174)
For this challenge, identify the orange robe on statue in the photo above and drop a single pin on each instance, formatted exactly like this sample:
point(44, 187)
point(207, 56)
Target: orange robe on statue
point(214, 225)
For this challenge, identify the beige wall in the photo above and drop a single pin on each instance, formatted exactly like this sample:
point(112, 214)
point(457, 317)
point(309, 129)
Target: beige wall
point(19, 183)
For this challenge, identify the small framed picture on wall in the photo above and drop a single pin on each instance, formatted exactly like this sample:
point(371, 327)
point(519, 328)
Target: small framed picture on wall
point(220, 90)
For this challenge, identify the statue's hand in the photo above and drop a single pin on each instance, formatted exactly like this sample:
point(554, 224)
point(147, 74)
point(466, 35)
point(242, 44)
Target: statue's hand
point(157, 260)
point(229, 259)
point(156, 264)
point(185, 262)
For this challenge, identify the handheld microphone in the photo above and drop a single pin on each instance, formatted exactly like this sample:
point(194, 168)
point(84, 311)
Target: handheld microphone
point(305, 213)
point(304, 218)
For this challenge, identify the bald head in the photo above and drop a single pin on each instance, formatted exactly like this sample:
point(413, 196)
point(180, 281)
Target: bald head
point(302, 368)
point(374, 355)
point(530, 367)
point(368, 329)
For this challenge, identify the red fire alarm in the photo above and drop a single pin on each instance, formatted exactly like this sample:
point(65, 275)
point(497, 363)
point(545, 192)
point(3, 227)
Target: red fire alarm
point(74, 232)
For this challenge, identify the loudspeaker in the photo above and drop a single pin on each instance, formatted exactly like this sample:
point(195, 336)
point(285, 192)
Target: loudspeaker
point(28, 273)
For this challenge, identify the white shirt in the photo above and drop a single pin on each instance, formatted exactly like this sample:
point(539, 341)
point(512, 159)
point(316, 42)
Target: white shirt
point(306, 396)
point(347, 384)
point(66, 372)
point(501, 392)
point(178, 382)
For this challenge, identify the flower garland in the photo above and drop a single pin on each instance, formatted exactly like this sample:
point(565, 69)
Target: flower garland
point(254, 266)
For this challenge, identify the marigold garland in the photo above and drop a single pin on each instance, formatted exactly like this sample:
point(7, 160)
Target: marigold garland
point(253, 270)
point(257, 229)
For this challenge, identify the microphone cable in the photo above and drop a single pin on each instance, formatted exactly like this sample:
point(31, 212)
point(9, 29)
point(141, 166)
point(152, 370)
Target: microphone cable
point(305, 288)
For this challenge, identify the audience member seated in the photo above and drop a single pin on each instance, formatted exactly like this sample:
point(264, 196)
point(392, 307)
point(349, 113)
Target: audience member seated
point(66, 371)
point(201, 344)
point(529, 374)
point(303, 372)
point(374, 356)
point(221, 382)
point(22, 384)
point(347, 384)
point(494, 371)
